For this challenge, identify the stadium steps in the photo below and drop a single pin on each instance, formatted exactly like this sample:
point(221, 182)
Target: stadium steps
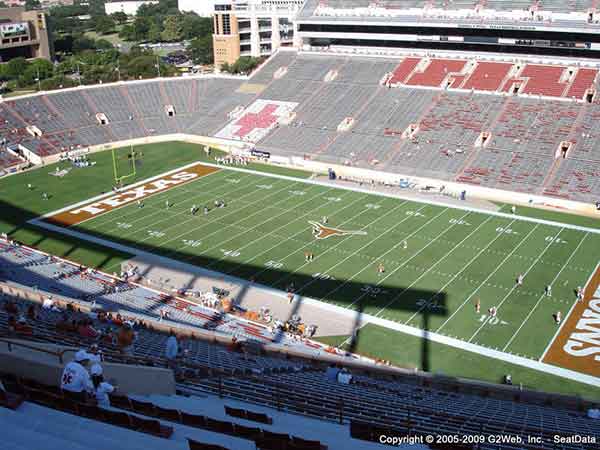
point(31, 425)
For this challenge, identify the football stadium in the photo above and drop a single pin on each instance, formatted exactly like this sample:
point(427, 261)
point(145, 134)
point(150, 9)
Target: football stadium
point(386, 235)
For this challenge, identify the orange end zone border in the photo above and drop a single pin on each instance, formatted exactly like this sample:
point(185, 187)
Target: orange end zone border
point(577, 344)
point(86, 211)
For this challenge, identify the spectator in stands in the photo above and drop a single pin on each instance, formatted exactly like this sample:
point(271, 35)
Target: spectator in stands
point(85, 329)
point(11, 307)
point(171, 350)
point(12, 325)
point(32, 313)
point(95, 354)
point(101, 387)
point(344, 376)
point(332, 372)
point(75, 377)
point(125, 339)
point(21, 327)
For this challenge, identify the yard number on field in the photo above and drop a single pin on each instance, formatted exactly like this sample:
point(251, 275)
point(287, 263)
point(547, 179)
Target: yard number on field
point(373, 291)
point(124, 226)
point(555, 240)
point(491, 320)
point(322, 276)
point(190, 243)
point(414, 214)
point(505, 230)
point(156, 234)
point(233, 180)
point(333, 199)
point(231, 253)
point(372, 206)
point(274, 264)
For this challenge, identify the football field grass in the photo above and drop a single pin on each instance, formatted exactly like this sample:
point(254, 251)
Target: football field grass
point(452, 259)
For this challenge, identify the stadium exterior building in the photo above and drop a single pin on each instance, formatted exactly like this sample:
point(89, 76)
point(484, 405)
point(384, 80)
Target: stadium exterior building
point(252, 28)
point(24, 33)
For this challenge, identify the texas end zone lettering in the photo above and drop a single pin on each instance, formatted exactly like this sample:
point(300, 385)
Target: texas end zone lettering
point(85, 212)
point(577, 345)
point(135, 194)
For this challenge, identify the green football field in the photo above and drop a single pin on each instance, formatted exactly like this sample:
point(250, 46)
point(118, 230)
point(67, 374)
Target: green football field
point(438, 262)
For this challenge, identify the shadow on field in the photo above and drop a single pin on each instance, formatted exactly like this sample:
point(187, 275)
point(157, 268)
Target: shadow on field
point(381, 300)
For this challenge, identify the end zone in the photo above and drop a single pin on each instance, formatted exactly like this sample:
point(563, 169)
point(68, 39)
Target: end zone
point(77, 214)
point(577, 343)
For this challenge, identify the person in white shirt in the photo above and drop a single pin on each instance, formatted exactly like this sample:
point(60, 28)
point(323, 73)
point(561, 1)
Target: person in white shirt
point(101, 388)
point(344, 377)
point(171, 349)
point(75, 377)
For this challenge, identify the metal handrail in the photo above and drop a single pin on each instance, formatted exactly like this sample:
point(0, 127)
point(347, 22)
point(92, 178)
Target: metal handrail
point(60, 355)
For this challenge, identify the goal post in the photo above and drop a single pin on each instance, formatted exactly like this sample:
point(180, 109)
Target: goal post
point(131, 165)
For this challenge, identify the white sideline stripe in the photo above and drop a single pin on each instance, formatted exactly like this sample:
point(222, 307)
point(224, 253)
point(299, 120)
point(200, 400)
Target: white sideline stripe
point(589, 280)
point(542, 296)
point(456, 275)
point(110, 214)
point(514, 286)
point(354, 189)
point(347, 280)
point(491, 274)
point(256, 255)
point(434, 337)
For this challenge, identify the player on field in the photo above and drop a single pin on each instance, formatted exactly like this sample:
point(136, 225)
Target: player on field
point(493, 311)
point(478, 306)
point(558, 317)
point(404, 245)
point(140, 204)
point(45, 195)
point(579, 293)
point(325, 220)
point(380, 269)
point(167, 204)
point(513, 209)
point(206, 210)
point(520, 279)
point(30, 186)
point(548, 291)
point(193, 210)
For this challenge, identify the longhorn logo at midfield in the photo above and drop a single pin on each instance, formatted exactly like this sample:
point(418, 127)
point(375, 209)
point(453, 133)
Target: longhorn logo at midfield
point(321, 231)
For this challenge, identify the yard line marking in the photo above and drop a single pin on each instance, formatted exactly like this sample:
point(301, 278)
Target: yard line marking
point(360, 248)
point(342, 241)
point(392, 249)
point(422, 275)
point(170, 218)
point(491, 274)
point(285, 239)
point(123, 216)
point(246, 230)
point(542, 296)
point(307, 244)
point(456, 275)
point(514, 286)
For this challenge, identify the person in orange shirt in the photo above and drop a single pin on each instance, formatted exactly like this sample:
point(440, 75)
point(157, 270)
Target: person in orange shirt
point(125, 339)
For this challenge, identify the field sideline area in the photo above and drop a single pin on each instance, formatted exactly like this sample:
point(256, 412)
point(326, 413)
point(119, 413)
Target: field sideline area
point(416, 264)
